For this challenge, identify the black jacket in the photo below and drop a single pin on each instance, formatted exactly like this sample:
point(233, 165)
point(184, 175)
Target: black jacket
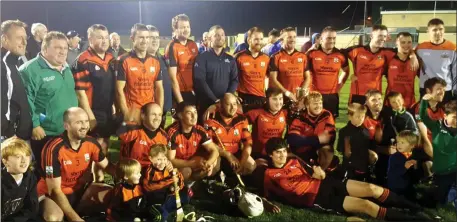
point(16, 118)
point(33, 48)
point(118, 53)
point(360, 142)
point(19, 203)
point(395, 122)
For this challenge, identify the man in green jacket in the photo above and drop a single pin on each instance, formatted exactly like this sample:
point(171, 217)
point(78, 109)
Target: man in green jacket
point(50, 90)
point(444, 142)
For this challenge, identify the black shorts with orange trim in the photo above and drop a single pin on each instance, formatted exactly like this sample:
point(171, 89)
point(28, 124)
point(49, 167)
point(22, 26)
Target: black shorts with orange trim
point(251, 102)
point(331, 103)
point(357, 99)
point(331, 194)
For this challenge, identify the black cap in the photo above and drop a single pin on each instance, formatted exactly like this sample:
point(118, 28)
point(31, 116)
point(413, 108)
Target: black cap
point(71, 34)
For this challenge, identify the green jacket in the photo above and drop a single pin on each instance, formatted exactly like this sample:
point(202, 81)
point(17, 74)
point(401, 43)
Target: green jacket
point(444, 144)
point(49, 93)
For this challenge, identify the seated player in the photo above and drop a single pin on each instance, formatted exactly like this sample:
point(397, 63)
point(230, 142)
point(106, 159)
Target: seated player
point(312, 135)
point(192, 150)
point(267, 122)
point(19, 196)
point(231, 129)
point(66, 187)
point(127, 197)
point(297, 183)
point(136, 140)
point(403, 171)
point(356, 145)
point(158, 183)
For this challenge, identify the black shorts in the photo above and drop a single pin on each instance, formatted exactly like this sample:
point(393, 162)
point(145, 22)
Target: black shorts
point(251, 101)
point(357, 99)
point(75, 197)
point(331, 194)
point(331, 103)
point(107, 124)
point(225, 164)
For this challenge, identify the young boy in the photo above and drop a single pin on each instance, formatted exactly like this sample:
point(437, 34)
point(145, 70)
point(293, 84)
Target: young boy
point(19, 193)
point(355, 143)
point(403, 171)
point(127, 203)
point(158, 183)
point(398, 119)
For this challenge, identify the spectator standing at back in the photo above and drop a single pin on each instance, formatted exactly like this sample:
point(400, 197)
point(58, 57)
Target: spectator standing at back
point(34, 47)
point(73, 46)
point(115, 45)
point(274, 42)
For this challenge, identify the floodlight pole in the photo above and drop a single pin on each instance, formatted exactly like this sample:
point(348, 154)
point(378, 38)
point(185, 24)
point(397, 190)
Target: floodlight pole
point(364, 21)
point(434, 10)
point(139, 9)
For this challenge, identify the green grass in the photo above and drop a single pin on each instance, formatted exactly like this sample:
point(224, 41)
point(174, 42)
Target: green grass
point(205, 204)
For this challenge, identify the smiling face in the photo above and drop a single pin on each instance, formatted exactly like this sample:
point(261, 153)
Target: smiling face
point(378, 38)
point(279, 157)
point(56, 52)
point(17, 163)
point(15, 40)
point(77, 125)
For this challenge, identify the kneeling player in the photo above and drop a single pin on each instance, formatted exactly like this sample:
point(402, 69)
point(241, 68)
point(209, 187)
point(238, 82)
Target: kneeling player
point(302, 185)
point(230, 130)
point(187, 140)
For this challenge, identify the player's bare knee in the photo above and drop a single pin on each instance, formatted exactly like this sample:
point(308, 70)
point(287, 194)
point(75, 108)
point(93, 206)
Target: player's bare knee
point(55, 215)
point(374, 190)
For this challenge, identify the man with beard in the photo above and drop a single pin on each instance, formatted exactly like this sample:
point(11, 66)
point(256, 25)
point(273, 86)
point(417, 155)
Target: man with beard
point(180, 54)
point(324, 65)
point(95, 83)
point(139, 77)
point(215, 73)
point(38, 31)
point(66, 188)
point(153, 50)
point(16, 119)
point(287, 67)
point(231, 129)
point(252, 69)
point(369, 62)
point(136, 140)
point(439, 59)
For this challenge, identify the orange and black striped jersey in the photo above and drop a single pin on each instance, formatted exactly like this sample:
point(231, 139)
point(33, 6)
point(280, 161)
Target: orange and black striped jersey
point(368, 67)
point(325, 69)
point(126, 203)
point(136, 142)
point(266, 125)
point(182, 57)
point(252, 72)
point(97, 77)
point(290, 67)
point(372, 124)
point(159, 181)
point(140, 76)
point(438, 114)
point(232, 133)
point(59, 159)
point(187, 144)
point(309, 126)
point(400, 78)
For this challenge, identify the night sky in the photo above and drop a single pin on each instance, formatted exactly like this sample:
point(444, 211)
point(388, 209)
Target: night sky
point(235, 17)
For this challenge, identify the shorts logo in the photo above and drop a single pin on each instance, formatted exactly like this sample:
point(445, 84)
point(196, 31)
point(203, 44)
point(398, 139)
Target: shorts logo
point(336, 60)
point(97, 67)
point(262, 64)
point(281, 119)
point(48, 79)
point(246, 64)
point(142, 142)
point(236, 132)
point(152, 69)
point(67, 162)
point(133, 69)
point(86, 157)
point(300, 60)
point(49, 170)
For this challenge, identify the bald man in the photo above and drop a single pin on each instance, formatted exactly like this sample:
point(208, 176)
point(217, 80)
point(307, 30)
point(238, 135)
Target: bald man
point(204, 44)
point(136, 140)
point(66, 188)
point(229, 130)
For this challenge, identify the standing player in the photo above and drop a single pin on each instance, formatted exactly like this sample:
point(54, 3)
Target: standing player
point(287, 67)
point(252, 71)
point(139, 77)
point(94, 80)
point(439, 59)
point(181, 53)
point(324, 65)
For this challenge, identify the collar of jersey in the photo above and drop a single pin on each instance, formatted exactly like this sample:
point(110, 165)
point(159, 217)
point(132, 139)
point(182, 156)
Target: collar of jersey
point(151, 134)
point(333, 50)
point(399, 112)
point(45, 64)
point(283, 50)
point(134, 55)
point(66, 140)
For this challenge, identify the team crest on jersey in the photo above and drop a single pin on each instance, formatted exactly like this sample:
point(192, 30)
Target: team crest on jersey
point(300, 60)
point(86, 157)
point(379, 57)
point(336, 60)
point(97, 67)
point(152, 69)
point(262, 64)
point(281, 119)
point(236, 132)
point(49, 170)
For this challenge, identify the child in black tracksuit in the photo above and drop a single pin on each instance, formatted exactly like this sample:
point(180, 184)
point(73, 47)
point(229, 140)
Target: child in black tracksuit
point(397, 119)
point(355, 143)
point(19, 193)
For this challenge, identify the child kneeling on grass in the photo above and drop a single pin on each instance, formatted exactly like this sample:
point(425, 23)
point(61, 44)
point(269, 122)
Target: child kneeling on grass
point(158, 183)
point(19, 193)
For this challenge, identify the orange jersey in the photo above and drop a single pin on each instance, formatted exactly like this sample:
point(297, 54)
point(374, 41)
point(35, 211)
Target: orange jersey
point(371, 124)
point(126, 202)
point(434, 115)
point(182, 57)
point(401, 78)
point(58, 159)
point(307, 125)
point(136, 142)
point(187, 144)
point(96, 76)
point(265, 126)
point(252, 72)
point(368, 68)
point(291, 183)
point(325, 69)
point(140, 76)
point(155, 180)
point(232, 133)
point(291, 68)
